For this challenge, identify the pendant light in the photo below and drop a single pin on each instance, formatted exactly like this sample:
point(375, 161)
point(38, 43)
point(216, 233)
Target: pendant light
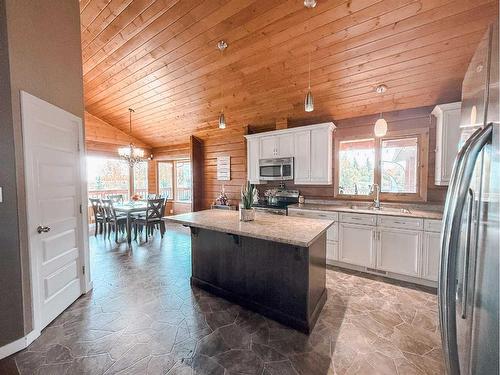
point(131, 154)
point(309, 101)
point(380, 128)
point(222, 45)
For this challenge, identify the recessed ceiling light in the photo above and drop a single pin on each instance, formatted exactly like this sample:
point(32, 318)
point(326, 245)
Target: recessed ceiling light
point(221, 45)
point(380, 89)
point(310, 3)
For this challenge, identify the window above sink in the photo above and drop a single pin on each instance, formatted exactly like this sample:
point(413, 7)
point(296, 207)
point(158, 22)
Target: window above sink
point(396, 162)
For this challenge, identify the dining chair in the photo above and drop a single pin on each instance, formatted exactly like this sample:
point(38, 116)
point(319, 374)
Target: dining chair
point(99, 216)
point(153, 217)
point(113, 221)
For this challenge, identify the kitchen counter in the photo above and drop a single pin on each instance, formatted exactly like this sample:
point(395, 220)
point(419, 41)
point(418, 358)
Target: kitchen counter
point(390, 210)
point(275, 265)
point(284, 229)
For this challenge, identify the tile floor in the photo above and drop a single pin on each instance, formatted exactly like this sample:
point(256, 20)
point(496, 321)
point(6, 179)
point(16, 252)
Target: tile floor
point(144, 318)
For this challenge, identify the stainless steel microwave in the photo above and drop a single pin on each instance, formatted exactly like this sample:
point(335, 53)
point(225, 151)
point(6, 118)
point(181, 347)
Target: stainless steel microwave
point(276, 169)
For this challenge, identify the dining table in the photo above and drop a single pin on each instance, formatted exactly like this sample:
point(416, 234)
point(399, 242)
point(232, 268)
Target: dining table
point(129, 209)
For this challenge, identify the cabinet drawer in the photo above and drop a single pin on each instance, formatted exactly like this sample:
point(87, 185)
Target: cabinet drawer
point(400, 222)
point(432, 225)
point(313, 214)
point(363, 219)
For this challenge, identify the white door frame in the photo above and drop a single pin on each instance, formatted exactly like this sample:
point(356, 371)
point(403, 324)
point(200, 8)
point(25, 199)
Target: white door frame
point(85, 282)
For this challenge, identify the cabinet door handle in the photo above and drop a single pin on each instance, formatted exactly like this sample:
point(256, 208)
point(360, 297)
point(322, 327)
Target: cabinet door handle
point(374, 235)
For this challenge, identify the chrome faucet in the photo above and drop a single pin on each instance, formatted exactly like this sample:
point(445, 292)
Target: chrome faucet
point(376, 201)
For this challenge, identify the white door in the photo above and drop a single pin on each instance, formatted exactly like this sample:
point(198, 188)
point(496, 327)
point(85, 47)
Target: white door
point(398, 251)
point(356, 244)
point(302, 162)
point(432, 248)
point(253, 160)
point(54, 196)
point(285, 146)
point(268, 147)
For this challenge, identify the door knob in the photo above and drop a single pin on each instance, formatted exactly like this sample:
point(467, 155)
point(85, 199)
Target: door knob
point(42, 229)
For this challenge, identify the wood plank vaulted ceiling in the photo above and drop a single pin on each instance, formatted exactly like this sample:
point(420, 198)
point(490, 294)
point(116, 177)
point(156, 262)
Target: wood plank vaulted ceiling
point(160, 58)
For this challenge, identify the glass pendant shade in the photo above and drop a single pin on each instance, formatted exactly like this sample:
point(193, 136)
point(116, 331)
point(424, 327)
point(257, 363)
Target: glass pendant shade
point(309, 102)
point(380, 127)
point(222, 121)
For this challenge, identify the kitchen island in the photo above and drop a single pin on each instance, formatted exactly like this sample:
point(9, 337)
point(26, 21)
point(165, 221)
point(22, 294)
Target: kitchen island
point(275, 265)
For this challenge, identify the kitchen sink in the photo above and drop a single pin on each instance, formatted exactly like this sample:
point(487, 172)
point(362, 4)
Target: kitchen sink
point(402, 210)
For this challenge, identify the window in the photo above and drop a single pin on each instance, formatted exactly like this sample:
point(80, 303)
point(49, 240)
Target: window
point(107, 176)
point(174, 180)
point(183, 181)
point(141, 178)
point(393, 162)
point(356, 166)
point(165, 179)
point(399, 162)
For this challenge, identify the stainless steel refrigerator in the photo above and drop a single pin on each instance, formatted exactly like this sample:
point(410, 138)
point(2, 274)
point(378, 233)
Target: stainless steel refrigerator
point(470, 238)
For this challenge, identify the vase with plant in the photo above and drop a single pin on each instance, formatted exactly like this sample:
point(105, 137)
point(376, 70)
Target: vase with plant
point(248, 193)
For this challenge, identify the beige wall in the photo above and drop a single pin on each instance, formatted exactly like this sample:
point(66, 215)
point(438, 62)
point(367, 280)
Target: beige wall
point(44, 55)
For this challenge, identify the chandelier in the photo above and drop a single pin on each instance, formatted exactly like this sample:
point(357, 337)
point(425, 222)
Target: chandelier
point(131, 154)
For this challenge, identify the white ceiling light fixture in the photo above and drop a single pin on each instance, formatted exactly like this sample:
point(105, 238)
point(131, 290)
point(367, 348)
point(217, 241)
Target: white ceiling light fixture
point(222, 45)
point(380, 128)
point(131, 154)
point(310, 3)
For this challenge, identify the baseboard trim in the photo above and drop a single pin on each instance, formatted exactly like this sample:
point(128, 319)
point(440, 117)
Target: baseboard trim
point(19, 344)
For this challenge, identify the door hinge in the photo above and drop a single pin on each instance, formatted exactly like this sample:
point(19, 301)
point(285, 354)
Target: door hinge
point(83, 270)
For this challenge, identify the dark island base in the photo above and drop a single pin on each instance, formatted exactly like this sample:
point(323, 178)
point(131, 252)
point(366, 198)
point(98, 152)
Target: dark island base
point(284, 282)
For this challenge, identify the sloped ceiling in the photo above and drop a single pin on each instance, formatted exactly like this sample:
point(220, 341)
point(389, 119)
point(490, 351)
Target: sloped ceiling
point(160, 58)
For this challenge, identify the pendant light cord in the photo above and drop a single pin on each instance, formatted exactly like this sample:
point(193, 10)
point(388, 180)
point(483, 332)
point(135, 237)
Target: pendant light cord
point(222, 87)
point(309, 69)
point(130, 110)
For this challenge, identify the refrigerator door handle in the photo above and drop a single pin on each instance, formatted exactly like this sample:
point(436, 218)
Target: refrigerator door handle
point(465, 273)
point(455, 200)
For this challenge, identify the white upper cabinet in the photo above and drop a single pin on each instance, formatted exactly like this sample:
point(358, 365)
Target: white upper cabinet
point(277, 146)
point(286, 146)
point(447, 140)
point(268, 147)
point(321, 156)
point(310, 146)
point(302, 157)
point(253, 149)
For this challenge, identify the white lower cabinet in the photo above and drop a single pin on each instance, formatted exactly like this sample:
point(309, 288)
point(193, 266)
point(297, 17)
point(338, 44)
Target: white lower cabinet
point(399, 251)
point(332, 251)
point(356, 244)
point(431, 253)
point(403, 248)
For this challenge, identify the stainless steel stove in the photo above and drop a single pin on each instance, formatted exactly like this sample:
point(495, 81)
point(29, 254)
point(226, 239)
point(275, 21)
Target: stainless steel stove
point(278, 205)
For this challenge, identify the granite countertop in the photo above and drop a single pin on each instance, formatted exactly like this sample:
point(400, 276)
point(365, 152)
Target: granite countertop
point(296, 231)
point(390, 210)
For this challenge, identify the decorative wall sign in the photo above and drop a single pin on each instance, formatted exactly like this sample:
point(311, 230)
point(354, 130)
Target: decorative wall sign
point(223, 168)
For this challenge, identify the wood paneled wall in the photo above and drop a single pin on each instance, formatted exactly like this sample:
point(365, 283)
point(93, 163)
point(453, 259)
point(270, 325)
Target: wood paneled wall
point(103, 138)
point(232, 143)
